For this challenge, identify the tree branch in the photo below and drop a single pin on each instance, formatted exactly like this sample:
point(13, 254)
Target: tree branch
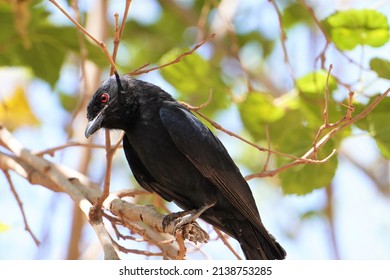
point(85, 193)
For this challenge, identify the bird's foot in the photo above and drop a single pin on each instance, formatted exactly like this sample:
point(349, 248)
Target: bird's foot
point(184, 223)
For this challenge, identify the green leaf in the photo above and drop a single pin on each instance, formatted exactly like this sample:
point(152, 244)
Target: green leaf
point(312, 98)
point(193, 77)
point(258, 110)
point(291, 135)
point(68, 102)
point(295, 14)
point(379, 128)
point(377, 124)
point(314, 83)
point(305, 178)
point(381, 67)
point(348, 29)
point(41, 45)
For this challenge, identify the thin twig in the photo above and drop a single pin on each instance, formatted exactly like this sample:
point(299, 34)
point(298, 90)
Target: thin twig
point(327, 38)
point(141, 69)
point(226, 242)
point(283, 39)
point(20, 204)
point(326, 109)
point(329, 212)
point(82, 29)
point(51, 151)
point(269, 147)
point(323, 140)
point(182, 247)
point(136, 251)
point(260, 148)
point(325, 113)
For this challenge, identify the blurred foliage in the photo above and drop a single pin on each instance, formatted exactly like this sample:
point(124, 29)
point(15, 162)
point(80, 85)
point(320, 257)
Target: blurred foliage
point(381, 67)
point(4, 227)
point(296, 14)
point(30, 38)
point(15, 111)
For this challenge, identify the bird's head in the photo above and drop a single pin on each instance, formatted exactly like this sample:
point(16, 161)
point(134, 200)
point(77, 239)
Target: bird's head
point(108, 104)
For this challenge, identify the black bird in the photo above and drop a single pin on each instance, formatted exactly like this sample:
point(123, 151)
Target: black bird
point(171, 153)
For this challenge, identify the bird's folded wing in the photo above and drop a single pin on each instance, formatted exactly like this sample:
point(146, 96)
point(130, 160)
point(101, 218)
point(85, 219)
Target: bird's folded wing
point(210, 157)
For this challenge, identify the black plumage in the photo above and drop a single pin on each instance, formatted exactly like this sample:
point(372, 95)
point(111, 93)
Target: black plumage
point(171, 153)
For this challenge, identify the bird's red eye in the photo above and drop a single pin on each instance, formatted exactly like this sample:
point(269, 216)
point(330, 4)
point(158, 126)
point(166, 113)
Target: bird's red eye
point(104, 97)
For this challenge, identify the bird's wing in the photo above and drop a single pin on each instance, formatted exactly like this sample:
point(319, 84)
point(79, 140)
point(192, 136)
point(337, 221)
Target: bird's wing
point(142, 175)
point(139, 171)
point(210, 157)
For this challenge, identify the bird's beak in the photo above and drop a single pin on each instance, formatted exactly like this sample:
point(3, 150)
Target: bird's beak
point(95, 124)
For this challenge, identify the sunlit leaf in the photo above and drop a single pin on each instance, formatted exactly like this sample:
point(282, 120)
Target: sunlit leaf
point(350, 28)
point(257, 111)
point(194, 78)
point(15, 111)
point(312, 88)
point(379, 128)
point(314, 83)
point(291, 134)
point(305, 178)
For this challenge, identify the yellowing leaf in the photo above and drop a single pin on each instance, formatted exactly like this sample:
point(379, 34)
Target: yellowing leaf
point(15, 111)
point(4, 227)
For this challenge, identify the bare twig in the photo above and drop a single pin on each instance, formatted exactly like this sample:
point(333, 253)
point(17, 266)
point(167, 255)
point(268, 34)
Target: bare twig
point(142, 69)
point(325, 113)
point(260, 148)
point(324, 139)
point(136, 251)
point(327, 38)
point(182, 247)
point(283, 39)
point(20, 204)
point(102, 45)
point(329, 212)
point(269, 147)
point(51, 151)
point(326, 109)
point(226, 242)
point(119, 31)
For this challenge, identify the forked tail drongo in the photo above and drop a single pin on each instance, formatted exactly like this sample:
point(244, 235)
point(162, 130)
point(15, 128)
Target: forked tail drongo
point(173, 154)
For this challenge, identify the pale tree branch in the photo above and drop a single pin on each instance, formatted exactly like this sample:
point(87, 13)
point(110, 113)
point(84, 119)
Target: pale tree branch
point(85, 193)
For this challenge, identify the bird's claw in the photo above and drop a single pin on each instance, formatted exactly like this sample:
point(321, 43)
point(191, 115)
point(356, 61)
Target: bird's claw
point(184, 223)
point(193, 232)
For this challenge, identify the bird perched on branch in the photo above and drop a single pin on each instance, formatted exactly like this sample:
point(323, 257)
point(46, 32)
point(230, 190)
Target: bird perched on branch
point(171, 153)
